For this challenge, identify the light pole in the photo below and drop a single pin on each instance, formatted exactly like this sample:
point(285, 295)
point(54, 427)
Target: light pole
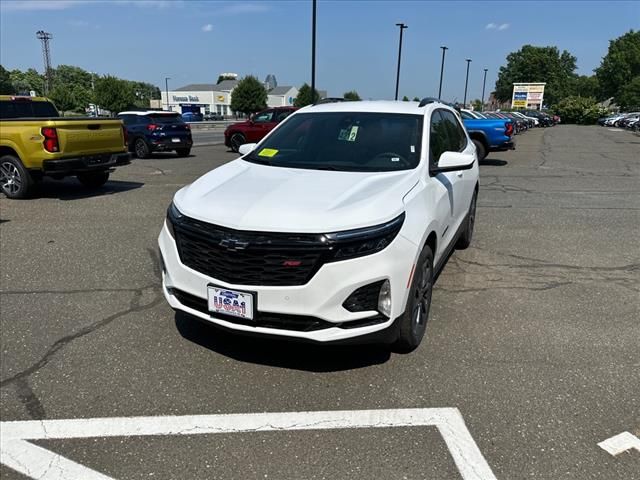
point(166, 89)
point(402, 27)
point(444, 49)
point(466, 83)
point(313, 52)
point(484, 82)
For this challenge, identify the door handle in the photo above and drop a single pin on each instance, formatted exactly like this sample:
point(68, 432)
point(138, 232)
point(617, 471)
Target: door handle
point(459, 174)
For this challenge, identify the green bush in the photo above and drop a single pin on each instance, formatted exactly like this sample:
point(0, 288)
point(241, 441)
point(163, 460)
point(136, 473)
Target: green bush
point(581, 110)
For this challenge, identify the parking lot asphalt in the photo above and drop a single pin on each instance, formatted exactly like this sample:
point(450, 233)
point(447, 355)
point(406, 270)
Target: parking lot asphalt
point(534, 332)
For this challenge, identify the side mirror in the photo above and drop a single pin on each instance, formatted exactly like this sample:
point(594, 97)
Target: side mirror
point(453, 162)
point(246, 148)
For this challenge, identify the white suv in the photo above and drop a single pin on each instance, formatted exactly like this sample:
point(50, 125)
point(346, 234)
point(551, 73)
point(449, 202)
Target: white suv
point(332, 227)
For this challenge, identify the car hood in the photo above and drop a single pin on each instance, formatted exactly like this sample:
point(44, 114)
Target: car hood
point(247, 196)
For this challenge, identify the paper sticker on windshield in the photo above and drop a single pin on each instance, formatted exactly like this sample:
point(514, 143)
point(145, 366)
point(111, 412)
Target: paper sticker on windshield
point(413, 149)
point(268, 152)
point(343, 135)
point(353, 134)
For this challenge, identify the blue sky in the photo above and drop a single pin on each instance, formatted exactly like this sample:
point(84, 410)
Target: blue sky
point(357, 41)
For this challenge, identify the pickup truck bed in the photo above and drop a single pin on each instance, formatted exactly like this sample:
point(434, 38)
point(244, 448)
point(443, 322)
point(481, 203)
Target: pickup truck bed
point(490, 135)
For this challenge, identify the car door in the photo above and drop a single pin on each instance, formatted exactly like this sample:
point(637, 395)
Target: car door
point(260, 125)
point(463, 180)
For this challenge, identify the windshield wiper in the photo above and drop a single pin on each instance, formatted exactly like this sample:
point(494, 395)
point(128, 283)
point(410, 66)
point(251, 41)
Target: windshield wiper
point(255, 159)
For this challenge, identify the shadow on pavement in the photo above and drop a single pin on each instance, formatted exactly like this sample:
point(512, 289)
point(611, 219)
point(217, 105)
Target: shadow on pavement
point(493, 162)
point(278, 353)
point(71, 189)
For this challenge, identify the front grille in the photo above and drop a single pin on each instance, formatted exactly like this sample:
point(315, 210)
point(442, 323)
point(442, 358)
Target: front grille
point(364, 298)
point(298, 323)
point(249, 258)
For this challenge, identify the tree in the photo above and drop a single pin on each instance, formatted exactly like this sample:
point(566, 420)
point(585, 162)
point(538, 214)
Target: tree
point(629, 96)
point(537, 64)
point(249, 96)
point(620, 65)
point(583, 110)
point(405, 99)
point(6, 87)
point(24, 82)
point(416, 99)
point(585, 86)
point(114, 94)
point(351, 95)
point(304, 97)
point(63, 98)
point(477, 104)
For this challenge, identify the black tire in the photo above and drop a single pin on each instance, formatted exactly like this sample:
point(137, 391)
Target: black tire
point(93, 179)
point(413, 322)
point(469, 222)
point(15, 180)
point(480, 149)
point(236, 140)
point(141, 148)
point(183, 152)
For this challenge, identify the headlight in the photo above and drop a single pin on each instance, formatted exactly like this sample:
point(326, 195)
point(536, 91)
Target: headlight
point(364, 241)
point(173, 216)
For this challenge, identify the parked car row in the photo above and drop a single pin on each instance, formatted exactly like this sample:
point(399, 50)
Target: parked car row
point(630, 121)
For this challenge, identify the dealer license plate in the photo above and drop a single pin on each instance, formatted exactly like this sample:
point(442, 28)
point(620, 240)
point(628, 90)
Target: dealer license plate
point(175, 140)
point(230, 302)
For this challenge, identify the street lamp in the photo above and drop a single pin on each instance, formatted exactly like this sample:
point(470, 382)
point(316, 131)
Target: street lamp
point(466, 82)
point(484, 81)
point(444, 49)
point(166, 88)
point(402, 27)
point(313, 52)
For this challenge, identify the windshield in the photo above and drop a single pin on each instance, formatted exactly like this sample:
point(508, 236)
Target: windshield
point(347, 141)
point(27, 109)
point(166, 118)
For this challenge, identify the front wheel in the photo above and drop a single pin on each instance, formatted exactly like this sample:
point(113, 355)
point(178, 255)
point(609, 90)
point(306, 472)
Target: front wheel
point(413, 322)
point(481, 151)
point(93, 179)
point(15, 180)
point(237, 139)
point(469, 222)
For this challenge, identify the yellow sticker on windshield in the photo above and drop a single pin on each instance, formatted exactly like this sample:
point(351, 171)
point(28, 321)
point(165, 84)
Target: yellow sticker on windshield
point(268, 152)
point(353, 134)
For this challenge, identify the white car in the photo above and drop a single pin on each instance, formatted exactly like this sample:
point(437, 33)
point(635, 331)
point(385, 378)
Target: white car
point(331, 229)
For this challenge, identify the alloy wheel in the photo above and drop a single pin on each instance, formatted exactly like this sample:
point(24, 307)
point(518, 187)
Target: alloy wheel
point(422, 297)
point(10, 179)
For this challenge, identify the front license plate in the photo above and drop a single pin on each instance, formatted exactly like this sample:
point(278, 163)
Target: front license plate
point(230, 302)
point(175, 140)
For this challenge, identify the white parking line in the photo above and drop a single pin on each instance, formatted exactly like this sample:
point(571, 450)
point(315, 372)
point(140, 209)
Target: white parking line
point(620, 443)
point(36, 462)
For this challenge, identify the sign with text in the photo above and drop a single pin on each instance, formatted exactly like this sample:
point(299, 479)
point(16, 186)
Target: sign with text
point(527, 95)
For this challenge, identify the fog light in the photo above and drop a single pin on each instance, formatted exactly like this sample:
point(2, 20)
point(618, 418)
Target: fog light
point(384, 299)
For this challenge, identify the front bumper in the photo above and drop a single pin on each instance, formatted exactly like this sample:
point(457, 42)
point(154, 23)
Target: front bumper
point(320, 299)
point(87, 163)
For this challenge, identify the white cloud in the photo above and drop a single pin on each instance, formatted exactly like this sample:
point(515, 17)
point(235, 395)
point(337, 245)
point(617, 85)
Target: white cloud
point(496, 26)
point(491, 26)
point(78, 23)
point(207, 28)
point(504, 26)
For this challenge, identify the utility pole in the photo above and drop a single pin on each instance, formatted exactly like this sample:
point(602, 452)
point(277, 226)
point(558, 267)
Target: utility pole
point(484, 81)
point(313, 52)
point(166, 88)
point(466, 83)
point(444, 49)
point(44, 37)
point(402, 27)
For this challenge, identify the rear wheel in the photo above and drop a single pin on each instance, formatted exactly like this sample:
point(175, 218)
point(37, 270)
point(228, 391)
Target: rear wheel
point(237, 139)
point(413, 322)
point(93, 179)
point(480, 149)
point(141, 148)
point(15, 180)
point(183, 152)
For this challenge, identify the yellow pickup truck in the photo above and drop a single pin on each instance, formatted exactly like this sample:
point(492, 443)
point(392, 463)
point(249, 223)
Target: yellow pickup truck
point(36, 142)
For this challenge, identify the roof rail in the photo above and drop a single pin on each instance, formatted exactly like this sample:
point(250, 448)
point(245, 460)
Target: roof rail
point(427, 101)
point(330, 100)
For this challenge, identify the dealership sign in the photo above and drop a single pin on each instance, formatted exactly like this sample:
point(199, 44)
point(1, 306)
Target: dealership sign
point(186, 98)
point(527, 95)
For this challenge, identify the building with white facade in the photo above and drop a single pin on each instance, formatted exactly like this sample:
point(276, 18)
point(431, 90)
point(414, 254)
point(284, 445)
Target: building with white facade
point(282, 96)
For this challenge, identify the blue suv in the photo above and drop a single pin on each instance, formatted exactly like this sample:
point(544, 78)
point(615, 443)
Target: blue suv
point(157, 131)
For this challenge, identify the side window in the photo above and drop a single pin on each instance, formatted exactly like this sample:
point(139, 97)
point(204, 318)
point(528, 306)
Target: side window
point(438, 140)
point(282, 114)
point(264, 117)
point(457, 138)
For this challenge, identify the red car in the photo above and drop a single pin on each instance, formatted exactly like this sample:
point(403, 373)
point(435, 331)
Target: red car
point(255, 129)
